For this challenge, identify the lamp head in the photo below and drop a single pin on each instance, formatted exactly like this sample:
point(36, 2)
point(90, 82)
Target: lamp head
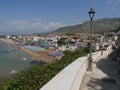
point(91, 13)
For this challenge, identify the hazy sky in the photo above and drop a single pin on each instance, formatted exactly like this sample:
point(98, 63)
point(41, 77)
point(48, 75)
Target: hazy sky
point(31, 16)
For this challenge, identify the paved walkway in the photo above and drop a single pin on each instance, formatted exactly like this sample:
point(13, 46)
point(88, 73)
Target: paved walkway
point(103, 77)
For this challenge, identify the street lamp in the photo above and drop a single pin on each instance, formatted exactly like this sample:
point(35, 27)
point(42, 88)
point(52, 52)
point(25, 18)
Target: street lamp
point(101, 46)
point(91, 15)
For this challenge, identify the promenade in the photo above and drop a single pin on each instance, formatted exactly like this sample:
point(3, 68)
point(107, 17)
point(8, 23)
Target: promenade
point(103, 77)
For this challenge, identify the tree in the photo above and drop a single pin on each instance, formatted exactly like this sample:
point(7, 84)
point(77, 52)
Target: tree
point(61, 41)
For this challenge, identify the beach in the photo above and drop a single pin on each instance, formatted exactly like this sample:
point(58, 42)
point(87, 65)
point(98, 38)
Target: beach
point(39, 56)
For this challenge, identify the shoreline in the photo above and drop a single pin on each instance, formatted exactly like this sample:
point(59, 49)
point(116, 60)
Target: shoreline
point(38, 56)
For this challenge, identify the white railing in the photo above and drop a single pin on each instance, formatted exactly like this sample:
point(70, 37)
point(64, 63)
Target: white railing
point(70, 77)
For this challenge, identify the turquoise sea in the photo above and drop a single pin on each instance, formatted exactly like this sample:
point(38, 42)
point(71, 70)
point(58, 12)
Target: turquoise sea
point(13, 60)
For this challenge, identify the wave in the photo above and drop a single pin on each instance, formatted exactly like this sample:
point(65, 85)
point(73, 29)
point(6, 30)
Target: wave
point(24, 59)
point(13, 71)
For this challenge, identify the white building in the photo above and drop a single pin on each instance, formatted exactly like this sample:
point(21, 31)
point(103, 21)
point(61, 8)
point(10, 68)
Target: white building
point(95, 46)
point(67, 47)
point(36, 38)
point(7, 36)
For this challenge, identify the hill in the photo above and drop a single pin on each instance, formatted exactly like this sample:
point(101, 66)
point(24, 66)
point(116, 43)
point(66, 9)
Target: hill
point(99, 26)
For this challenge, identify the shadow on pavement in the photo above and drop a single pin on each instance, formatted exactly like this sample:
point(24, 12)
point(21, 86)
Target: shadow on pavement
point(99, 84)
point(110, 69)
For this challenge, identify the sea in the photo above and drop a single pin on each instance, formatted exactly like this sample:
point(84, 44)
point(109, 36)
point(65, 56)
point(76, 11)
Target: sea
point(13, 60)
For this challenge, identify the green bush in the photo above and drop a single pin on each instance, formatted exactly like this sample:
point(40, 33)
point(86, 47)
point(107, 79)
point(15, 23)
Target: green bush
point(35, 77)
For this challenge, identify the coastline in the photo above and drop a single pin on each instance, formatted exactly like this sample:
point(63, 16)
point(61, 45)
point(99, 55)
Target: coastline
point(38, 56)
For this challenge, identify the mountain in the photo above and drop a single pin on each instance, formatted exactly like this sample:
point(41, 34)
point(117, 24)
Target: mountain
point(99, 26)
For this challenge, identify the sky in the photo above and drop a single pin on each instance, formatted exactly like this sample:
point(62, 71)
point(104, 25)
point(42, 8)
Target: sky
point(38, 16)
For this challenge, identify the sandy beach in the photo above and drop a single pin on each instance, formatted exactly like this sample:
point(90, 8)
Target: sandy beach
point(39, 56)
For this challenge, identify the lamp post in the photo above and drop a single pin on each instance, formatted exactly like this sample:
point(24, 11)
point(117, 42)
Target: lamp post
point(101, 46)
point(91, 15)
